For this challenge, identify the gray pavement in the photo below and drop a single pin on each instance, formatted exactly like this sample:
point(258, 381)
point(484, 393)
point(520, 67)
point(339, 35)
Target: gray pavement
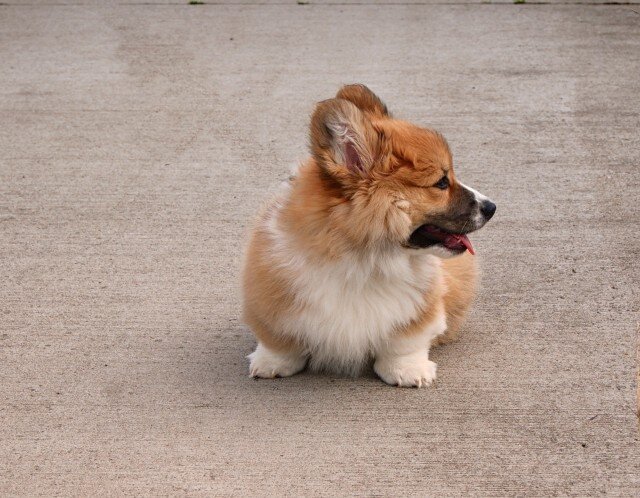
point(136, 144)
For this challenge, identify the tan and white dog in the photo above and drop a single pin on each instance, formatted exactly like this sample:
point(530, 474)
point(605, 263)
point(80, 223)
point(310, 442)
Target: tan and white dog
point(364, 254)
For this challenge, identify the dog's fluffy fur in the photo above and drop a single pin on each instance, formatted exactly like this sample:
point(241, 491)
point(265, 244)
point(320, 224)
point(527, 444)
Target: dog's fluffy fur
point(339, 270)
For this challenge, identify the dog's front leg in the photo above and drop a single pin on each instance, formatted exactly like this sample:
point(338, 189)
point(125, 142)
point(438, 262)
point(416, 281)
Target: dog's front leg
point(403, 361)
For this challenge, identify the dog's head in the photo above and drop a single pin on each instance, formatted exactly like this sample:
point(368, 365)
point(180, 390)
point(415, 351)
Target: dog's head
point(397, 179)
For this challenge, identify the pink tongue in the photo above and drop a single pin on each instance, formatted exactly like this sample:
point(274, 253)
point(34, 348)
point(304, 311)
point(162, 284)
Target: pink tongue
point(456, 240)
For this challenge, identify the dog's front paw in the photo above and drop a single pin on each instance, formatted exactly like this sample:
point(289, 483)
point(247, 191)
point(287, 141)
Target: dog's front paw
point(269, 364)
point(415, 370)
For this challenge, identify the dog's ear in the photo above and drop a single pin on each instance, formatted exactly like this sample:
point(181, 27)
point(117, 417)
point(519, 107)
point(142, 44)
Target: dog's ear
point(343, 141)
point(364, 99)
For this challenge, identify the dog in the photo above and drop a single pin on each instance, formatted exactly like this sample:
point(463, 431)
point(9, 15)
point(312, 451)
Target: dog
point(363, 256)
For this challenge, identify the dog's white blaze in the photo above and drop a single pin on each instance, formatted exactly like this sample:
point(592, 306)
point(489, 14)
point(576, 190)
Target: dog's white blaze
point(350, 308)
point(479, 197)
point(478, 219)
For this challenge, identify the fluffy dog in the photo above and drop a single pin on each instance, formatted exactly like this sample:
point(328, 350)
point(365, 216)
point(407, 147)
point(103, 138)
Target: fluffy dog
point(364, 254)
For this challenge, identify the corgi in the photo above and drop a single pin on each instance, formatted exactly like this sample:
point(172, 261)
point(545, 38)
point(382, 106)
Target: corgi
point(364, 255)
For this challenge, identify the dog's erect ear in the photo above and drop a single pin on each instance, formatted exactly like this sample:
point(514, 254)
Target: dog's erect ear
point(343, 141)
point(364, 99)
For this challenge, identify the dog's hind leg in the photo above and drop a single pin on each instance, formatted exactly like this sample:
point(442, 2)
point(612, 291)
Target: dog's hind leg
point(274, 356)
point(268, 364)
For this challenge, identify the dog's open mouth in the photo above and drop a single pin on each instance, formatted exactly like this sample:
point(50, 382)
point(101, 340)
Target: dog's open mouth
point(429, 235)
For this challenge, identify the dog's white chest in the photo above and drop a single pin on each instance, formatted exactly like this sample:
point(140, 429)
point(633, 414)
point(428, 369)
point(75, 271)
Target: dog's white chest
point(348, 309)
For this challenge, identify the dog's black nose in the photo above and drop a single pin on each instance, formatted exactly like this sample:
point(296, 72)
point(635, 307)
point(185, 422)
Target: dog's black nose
point(487, 209)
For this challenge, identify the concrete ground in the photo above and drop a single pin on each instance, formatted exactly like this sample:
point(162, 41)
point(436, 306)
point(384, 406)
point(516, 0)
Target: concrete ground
point(138, 140)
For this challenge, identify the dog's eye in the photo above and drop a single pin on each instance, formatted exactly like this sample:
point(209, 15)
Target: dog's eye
point(443, 183)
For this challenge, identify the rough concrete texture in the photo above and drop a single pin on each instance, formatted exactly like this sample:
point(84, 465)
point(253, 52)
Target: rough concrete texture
point(136, 144)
